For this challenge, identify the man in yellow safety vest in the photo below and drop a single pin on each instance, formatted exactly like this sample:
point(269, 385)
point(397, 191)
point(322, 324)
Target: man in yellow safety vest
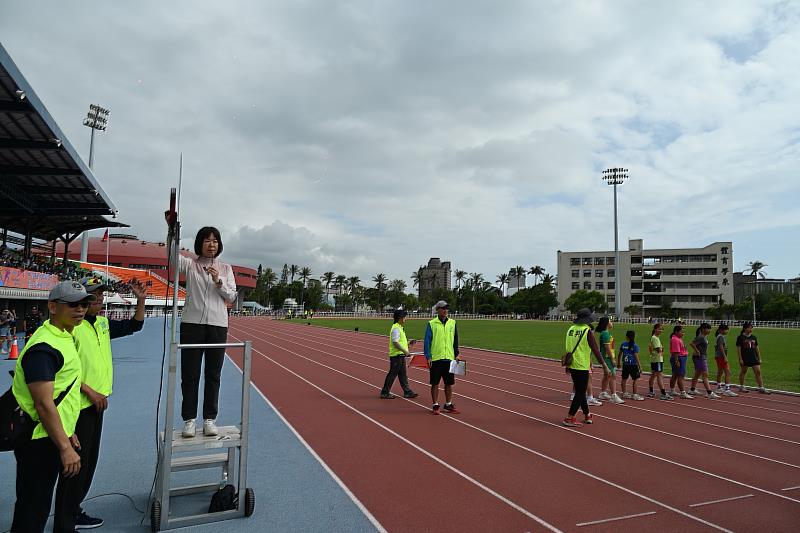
point(398, 351)
point(441, 347)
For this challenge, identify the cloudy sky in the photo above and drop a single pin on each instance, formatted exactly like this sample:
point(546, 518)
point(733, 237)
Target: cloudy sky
point(365, 137)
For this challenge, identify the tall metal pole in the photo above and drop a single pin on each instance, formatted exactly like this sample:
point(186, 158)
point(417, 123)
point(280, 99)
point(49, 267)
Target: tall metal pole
point(616, 176)
point(96, 119)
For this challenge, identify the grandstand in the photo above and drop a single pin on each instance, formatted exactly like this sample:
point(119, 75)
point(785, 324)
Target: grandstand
point(159, 292)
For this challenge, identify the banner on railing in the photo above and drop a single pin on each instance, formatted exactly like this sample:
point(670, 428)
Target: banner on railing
point(26, 279)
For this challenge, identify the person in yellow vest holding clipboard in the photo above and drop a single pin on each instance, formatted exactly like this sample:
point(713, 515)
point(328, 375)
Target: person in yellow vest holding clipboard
point(398, 351)
point(47, 382)
point(93, 338)
point(441, 347)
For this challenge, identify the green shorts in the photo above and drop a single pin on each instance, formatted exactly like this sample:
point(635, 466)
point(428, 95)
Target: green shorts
point(610, 363)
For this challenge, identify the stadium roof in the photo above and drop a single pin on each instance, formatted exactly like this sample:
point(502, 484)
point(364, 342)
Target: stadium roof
point(46, 189)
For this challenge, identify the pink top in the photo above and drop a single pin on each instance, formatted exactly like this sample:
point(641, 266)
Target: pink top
point(676, 345)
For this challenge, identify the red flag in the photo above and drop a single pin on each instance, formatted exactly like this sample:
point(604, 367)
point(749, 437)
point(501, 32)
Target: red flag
point(105, 235)
point(418, 361)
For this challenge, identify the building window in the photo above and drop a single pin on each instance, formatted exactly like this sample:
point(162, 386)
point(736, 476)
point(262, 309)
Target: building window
point(652, 274)
point(575, 261)
point(587, 273)
point(636, 298)
point(587, 285)
point(599, 286)
point(610, 273)
point(612, 298)
point(636, 260)
point(612, 285)
point(576, 273)
point(610, 261)
point(636, 285)
point(587, 260)
point(668, 259)
point(576, 285)
point(598, 273)
point(599, 261)
point(636, 272)
point(652, 287)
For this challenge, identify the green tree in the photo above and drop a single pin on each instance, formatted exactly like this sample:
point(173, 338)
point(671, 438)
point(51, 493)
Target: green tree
point(284, 274)
point(293, 270)
point(518, 272)
point(756, 269)
point(633, 310)
point(534, 301)
point(581, 299)
point(781, 307)
point(537, 272)
point(305, 273)
point(666, 310)
point(341, 283)
point(502, 280)
point(397, 289)
point(380, 286)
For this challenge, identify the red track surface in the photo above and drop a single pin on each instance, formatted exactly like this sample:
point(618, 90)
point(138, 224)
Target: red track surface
point(506, 463)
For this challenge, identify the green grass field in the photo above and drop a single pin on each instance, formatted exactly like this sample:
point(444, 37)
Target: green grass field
point(780, 348)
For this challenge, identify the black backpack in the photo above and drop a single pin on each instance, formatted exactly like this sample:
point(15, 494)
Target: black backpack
point(16, 426)
point(225, 499)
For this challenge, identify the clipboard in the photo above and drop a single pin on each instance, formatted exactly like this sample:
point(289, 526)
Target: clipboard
point(459, 368)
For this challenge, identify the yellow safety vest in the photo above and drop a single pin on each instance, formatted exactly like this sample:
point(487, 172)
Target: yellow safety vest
point(443, 337)
point(94, 350)
point(393, 351)
point(580, 358)
point(69, 408)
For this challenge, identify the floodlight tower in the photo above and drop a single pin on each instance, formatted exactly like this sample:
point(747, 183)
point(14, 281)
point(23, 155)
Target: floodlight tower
point(97, 120)
point(614, 177)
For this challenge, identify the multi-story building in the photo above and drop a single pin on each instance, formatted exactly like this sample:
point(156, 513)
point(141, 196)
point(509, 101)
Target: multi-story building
point(691, 279)
point(435, 275)
point(514, 283)
point(744, 285)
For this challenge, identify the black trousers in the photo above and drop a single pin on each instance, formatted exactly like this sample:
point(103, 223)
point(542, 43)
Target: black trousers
point(190, 368)
point(73, 490)
point(580, 378)
point(38, 469)
point(397, 368)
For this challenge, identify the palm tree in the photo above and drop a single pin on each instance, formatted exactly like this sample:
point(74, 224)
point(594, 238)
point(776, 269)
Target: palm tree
point(548, 279)
point(502, 279)
point(518, 272)
point(293, 270)
point(268, 279)
point(537, 272)
point(397, 285)
point(354, 285)
point(341, 280)
point(475, 280)
point(305, 273)
point(756, 269)
point(380, 284)
point(459, 275)
point(416, 277)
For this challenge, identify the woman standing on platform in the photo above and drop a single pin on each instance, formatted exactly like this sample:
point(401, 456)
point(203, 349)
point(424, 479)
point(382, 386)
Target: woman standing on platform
point(210, 287)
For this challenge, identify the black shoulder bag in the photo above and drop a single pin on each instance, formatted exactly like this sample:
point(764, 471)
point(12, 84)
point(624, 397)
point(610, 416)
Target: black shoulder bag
point(566, 359)
point(16, 426)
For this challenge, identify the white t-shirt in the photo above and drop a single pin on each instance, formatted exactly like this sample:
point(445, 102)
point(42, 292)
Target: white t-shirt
point(205, 302)
point(396, 335)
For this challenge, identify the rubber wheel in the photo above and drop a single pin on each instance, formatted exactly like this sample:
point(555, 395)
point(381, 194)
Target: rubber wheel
point(155, 516)
point(249, 501)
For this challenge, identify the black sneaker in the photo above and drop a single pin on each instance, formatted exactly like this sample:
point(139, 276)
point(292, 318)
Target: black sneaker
point(387, 396)
point(84, 521)
point(410, 394)
point(450, 408)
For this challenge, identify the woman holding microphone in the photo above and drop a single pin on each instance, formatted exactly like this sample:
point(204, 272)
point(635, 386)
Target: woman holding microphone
point(210, 287)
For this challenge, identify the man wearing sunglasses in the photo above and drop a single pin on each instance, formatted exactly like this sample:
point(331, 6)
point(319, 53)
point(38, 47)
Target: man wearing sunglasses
point(93, 337)
point(47, 382)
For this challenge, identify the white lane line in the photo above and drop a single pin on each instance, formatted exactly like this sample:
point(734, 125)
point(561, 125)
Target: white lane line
point(453, 469)
point(615, 519)
point(792, 488)
point(494, 435)
point(681, 418)
point(558, 426)
point(722, 500)
point(316, 456)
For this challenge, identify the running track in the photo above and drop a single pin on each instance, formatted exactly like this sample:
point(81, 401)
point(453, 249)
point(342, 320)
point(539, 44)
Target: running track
point(506, 464)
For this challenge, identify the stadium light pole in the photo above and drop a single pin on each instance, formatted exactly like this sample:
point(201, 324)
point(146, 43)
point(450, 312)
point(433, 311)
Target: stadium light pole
point(614, 177)
point(97, 120)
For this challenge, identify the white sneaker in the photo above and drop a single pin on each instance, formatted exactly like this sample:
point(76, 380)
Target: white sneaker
point(616, 399)
point(714, 396)
point(189, 429)
point(686, 396)
point(694, 392)
point(604, 396)
point(210, 428)
point(627, 395)
point(594, 402)
point(637, 397)
point(728, 392)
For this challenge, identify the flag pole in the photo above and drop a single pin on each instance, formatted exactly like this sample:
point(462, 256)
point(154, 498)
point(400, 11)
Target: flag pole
point(105, 237)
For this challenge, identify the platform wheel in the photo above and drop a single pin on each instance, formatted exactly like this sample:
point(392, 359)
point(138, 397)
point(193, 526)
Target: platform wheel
point(155, 516)
point(249, 501)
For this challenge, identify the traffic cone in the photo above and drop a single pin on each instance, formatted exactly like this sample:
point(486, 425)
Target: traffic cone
point(14, 350)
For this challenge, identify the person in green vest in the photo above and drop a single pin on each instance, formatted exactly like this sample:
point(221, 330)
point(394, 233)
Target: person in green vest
point(441, 347)
point(398, 351)
point(47, 386)
point(93, 337)
point(582, 342)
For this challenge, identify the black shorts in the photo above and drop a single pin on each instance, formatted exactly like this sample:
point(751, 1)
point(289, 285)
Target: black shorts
point(630, 371)
point(750, 361)
point(440, 369)
point(657, 367)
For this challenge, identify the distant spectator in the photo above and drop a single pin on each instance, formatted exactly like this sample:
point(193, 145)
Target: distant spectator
point(33, 319)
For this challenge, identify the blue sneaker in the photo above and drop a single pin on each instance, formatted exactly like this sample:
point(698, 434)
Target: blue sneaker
point(84, 521)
